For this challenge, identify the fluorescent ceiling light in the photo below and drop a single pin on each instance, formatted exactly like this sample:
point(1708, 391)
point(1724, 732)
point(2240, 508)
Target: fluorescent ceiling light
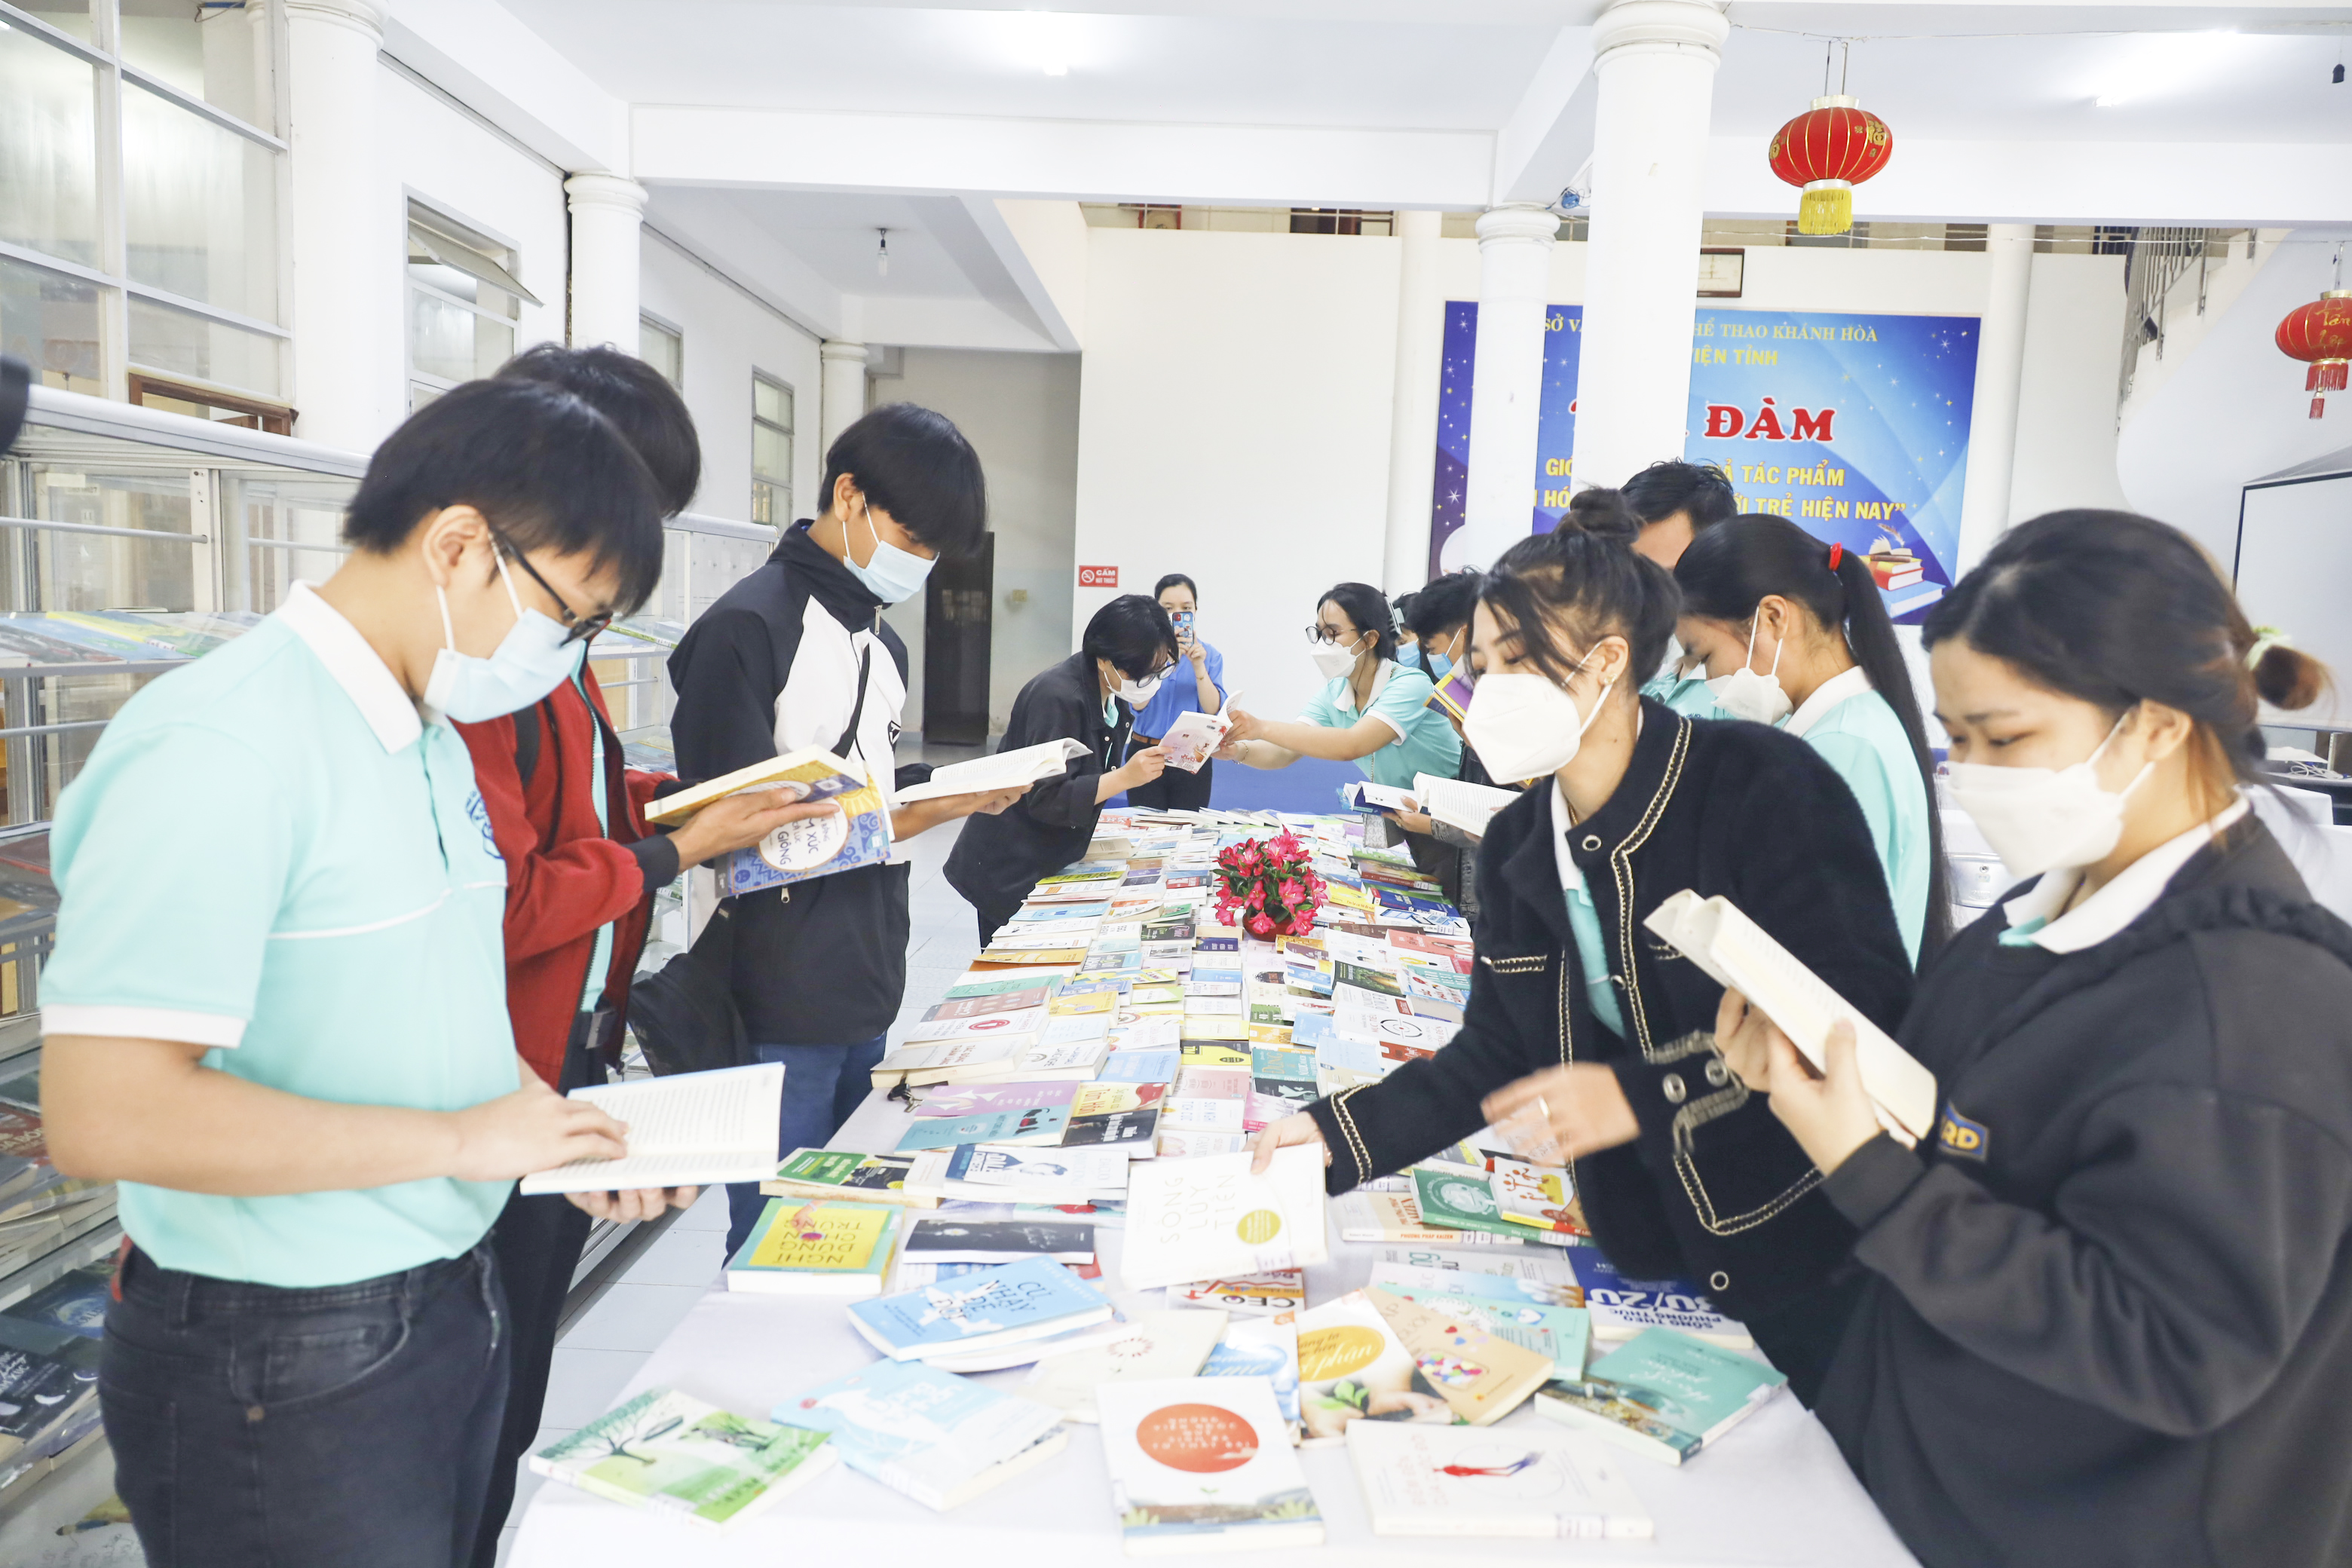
point(2156, 64)
point(1046, 39)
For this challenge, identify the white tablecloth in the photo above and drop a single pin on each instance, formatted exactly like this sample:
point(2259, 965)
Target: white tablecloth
point(1776, 1491)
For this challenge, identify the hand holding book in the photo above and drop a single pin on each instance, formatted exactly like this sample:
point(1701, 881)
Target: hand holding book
point(1561, 1113)
point(1828, 1113)
point(740, 821)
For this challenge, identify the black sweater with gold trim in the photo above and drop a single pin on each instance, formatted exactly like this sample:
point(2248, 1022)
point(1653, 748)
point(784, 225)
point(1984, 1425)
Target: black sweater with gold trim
point(1714, 1189)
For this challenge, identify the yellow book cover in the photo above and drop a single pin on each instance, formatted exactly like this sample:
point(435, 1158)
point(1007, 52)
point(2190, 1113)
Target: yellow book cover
point(1349, 897)
point(822, 1237)
point(1270, 1034)
point(820, 774)
point(1104, 1099)
point(1034, 955)
point(1084, 1002)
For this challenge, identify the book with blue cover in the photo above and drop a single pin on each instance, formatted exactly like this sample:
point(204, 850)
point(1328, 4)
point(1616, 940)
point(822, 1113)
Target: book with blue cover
point(939, 1438)
point(1031, 1124)
point(1622, 1308)
point(1003, 1305)
point(1663, 1394)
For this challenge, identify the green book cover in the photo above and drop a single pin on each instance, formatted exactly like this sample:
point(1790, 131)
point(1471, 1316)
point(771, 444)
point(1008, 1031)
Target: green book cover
point(673, 1453)
point(1452, 1197)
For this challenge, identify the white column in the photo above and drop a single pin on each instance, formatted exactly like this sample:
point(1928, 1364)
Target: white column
point(844, 394)
point(607, 213)
point(346, 216)
point(1498, 499)
point(1413, 410)
point(1655, 63)
point(2000, 371)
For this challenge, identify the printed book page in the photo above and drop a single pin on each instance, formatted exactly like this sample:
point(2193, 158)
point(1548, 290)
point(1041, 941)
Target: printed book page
point(1741, 955)
point(1004, 770)
point(686, 1130)
point(1193, 738)
point(1467, 807)
point(817, 774)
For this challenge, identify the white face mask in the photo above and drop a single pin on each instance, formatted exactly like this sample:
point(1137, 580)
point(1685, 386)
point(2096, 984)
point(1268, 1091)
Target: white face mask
point(1524, 725)
point(1744, 694)
point(532, 660)
point(1336, 662)
point(1136, 693)
point(2044, 819)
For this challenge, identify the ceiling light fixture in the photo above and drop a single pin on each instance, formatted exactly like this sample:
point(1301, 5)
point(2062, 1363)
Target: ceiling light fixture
point(882, 254)
point(2161, 63)
point(1049, 39)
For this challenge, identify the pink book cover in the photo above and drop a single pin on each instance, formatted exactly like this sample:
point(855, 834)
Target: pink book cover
point(975, 1099)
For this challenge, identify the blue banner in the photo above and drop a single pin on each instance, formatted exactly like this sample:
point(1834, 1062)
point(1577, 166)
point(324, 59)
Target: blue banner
point(1855, 427)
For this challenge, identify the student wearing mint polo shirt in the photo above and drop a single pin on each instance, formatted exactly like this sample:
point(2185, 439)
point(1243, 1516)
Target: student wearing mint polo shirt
point(277, 1011)
point(1371, 711)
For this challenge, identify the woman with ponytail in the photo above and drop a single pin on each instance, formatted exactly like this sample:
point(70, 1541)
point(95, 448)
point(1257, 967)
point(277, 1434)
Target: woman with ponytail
point(2109, 1311)
point(1589, 1042)
point(1793, 634)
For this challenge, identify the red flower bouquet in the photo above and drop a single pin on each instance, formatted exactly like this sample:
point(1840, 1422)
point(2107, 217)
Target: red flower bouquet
point(1268, 887)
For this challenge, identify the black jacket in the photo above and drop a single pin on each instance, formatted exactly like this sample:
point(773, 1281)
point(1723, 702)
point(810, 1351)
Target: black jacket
point(997, 859)
point(2110, 1316)
point(827, 966)
point(1714, 1189)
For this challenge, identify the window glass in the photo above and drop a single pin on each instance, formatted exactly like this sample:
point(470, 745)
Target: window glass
point(68, 17)
point(772, 401)
point(180, 344)
point(49, 148)
point(300, 509)
point(109, 571)
point(50, 322)
point(453, 343)
point(199, 206)
point(216, 53)
point(664, 349)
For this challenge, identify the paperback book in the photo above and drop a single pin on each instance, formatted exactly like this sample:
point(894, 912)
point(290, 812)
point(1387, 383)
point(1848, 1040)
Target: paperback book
point(845, 1174)
point(1482, 1375)
point(1458, 1481)
point(670, 1454)
point(1665, 1394)
point(951, 1239)
point(939, 1438)
point(1007, 1303)
point(1190, 1219)
point(801, 1247)
point(691, 1129)
point(1622, 1308)
point(1155, 1346)
point(1201, 1464)
point(1353, 1367)
point(1454, 1197)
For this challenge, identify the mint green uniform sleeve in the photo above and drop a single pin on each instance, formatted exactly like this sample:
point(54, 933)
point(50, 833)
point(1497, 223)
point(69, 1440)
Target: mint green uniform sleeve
point(1688, 695)
point(171, 852)
point(1402, 701)
point(1322, 711)
point(1902, 850)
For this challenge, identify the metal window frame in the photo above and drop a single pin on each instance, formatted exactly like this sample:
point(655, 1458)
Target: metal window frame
point(791, 440)
point(113, 277)
point(662, 323)
point(421, 212)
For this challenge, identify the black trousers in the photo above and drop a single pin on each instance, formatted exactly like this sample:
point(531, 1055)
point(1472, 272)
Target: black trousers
point(538, 1243)
point(1174, 790)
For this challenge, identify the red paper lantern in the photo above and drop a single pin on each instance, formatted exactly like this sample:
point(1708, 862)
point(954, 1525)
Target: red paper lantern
point(2320, 332)
point(1830, 149)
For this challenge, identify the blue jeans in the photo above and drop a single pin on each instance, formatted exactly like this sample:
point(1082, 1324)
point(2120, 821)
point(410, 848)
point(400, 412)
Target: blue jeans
point(353, 1425)
point(823, 1084)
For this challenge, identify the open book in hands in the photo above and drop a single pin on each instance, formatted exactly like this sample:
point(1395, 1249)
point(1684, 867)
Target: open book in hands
point(690, 1130)
point(1193, 739)
point(1740, 955)
point(1016, 769)
point(1467, 807)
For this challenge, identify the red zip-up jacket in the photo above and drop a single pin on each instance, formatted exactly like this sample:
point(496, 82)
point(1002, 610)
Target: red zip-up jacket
point(567, 873)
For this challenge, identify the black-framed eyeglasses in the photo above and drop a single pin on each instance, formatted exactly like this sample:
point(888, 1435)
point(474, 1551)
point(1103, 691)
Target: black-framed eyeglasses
point(1321, 636)
point(577, 628)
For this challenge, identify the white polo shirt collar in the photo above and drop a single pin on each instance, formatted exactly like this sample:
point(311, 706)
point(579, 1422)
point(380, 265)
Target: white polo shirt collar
point(2123, 900)
point(1345, 700)
point(365, 679)
point(1837, 689)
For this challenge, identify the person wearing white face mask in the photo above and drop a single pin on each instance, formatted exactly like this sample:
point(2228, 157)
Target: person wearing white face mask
point(2110, 1314)
point(1793, 633)
point(277, 1010)
point(796, 655)
point(1440, 615)
point(1585, 1039)
point(1129, 649)
point(1371, 710)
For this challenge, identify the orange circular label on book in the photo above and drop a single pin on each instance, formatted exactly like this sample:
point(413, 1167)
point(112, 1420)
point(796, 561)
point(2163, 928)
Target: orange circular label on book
point(1200, 1439)
point(1337, 1352)
point(1259, 1227)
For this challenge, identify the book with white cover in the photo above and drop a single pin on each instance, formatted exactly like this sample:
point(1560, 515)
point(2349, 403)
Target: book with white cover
point(1016, 769)
point(1521, 1481)
point(939, 1438)
point(980, 1060)
point(1155, 1345)
point(1201, 1464)
point(1467, 807)
point(991, 1174)
point(1190, 1218)
point(1742, 956)
point(689, 1129)
point(1193, 738)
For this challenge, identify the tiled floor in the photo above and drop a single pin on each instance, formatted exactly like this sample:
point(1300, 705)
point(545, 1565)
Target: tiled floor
point(609, 1341)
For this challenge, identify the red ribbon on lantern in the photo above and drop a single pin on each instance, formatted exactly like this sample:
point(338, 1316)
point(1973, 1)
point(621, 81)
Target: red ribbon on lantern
point(1831, 148)
point(2320, 332)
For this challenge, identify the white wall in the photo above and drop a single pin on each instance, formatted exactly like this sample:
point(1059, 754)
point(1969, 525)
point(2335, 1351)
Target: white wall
point(727, 335)
point(1020, 411)
point(2235, 408)
point(445, 158)
point(1233, 426)
point(1235, 414)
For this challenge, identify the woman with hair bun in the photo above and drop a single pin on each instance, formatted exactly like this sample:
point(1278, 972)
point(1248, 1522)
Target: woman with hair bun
point(1588, 1039)
point(2109, 1311)
point(1792, 633)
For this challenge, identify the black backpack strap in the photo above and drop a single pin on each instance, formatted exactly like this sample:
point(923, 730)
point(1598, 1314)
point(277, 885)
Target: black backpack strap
point(856, 709)
point(527, 738)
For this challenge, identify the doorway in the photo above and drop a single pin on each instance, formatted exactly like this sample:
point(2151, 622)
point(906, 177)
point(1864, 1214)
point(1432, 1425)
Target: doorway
point(958, 620)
